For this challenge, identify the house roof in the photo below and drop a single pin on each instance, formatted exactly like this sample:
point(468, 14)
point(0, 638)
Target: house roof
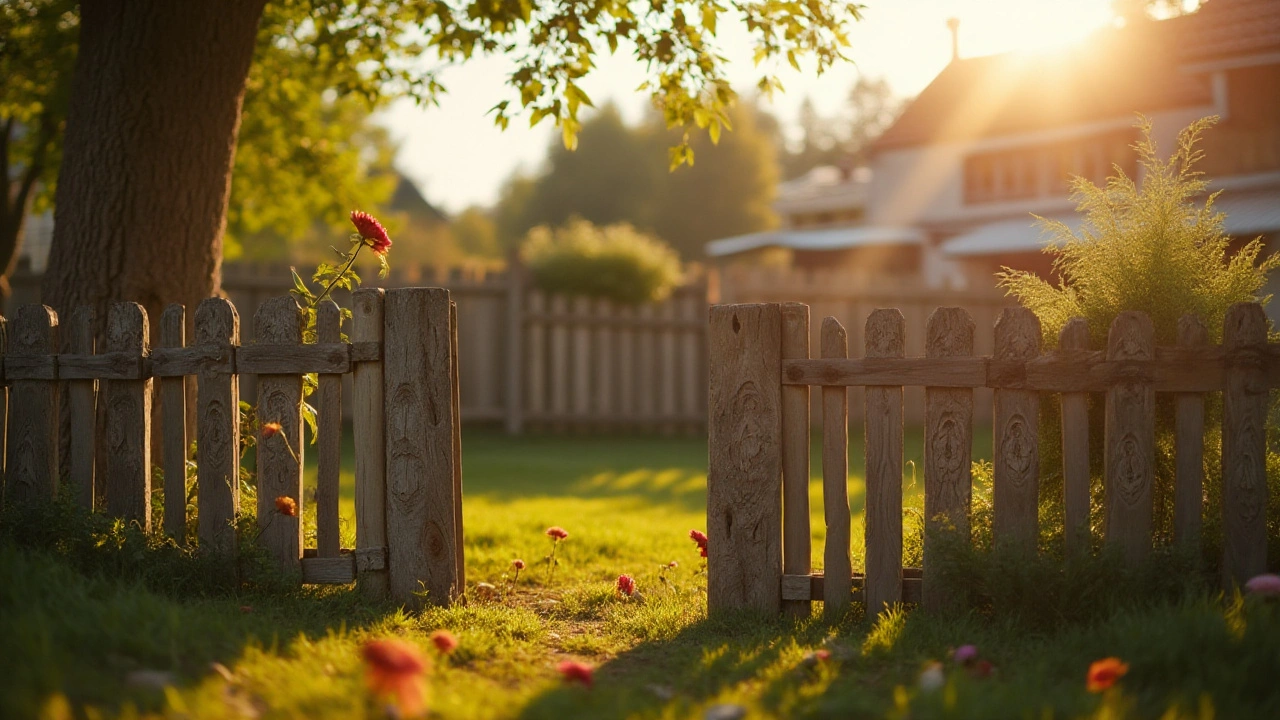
point(840, 238)
point(1117, 72)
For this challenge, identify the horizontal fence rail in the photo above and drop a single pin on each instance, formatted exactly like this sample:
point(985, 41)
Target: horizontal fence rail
point(402, 360)
point(761, 374)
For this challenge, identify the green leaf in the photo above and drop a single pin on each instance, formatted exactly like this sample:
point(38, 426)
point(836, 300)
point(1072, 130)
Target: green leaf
point(299, 285)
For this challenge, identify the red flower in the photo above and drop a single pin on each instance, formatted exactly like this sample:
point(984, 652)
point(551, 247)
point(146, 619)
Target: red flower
point(246, 609)
point(517, 564)
point(557, 532)
point(395, 669)
point(269, 429)
point(444, 641)
point(574, 671)
point(1105, 673)
point(285, 505)
point(982, 668)
point(822, 655)
point(700, 538)
point(371, 232)
point(626, 585)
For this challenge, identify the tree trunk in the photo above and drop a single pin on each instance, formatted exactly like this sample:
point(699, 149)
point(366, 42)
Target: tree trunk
point(150, 141)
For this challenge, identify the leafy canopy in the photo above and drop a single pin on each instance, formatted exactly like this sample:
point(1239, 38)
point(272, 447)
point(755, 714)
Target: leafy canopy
point(1151, 247)
point(614, 262)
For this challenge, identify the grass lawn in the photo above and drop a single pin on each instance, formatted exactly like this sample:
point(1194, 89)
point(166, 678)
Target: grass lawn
point(107, 639)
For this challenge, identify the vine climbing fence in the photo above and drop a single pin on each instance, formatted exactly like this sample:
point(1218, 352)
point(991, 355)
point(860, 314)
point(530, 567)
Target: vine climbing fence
point(761, 375)
point(401, 356)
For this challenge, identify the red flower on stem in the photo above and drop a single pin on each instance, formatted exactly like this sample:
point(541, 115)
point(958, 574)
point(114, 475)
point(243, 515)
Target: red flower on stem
point(700, 538)
point(270, 429)
point(574, 671)
point(444, 641)
point(371, 232)
point(557, 533)
point(518, 564)
point(626, 585)
point(286, 505)
point(1104, 673)
point(395, 669)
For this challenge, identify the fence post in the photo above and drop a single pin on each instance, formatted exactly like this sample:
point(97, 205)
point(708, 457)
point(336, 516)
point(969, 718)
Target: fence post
point(1074, 340)
point(885, 337)
point(128, 471)
point(515, 357)
point(796, 542)
point(329, 441)
point(1244, 458)
point(31, 468)
point(173, 399)
point(837, 591)
point(217, 426)
point(370, 444)
point(744, 494)
point(82, 410)
point(455, 374)
point(1130, 439)
point(1016, 481)
point(948, 444)
point(1188, 496)
point(279, 322)
point(418, 385)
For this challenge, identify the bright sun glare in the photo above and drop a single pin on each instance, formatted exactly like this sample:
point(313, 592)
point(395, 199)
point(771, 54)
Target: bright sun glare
point(1028, 27)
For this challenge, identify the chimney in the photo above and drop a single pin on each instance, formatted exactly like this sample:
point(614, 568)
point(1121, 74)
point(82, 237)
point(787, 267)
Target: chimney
point(953, 24)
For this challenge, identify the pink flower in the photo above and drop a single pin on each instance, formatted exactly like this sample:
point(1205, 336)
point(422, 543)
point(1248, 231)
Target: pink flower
point(1264, 585)
point(574, 671)
point(444, 641)
point(700, 538)
point(626, 585)
point(965, 654)
point(371, 232)
point(395, 669)
point(556, 532)
point(518, 564)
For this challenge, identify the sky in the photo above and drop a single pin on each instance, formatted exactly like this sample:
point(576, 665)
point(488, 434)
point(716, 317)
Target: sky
point(457, 157)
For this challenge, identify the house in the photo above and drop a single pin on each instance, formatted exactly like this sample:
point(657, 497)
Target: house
point(994, 139)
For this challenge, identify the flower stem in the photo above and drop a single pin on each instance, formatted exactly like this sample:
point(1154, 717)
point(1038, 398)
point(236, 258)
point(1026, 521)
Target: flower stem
point(339, 276)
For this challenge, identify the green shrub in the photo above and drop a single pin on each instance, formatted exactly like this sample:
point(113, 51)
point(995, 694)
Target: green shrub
point(615, 262)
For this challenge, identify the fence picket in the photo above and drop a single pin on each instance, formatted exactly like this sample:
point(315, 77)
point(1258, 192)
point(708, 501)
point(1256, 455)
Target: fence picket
point(948, 445)
point(1188, 498)
point(667, 378)
point(421, 526)
point(82, 407)
point(536, 355)
point(796, 543)
point(460, 560)
point(31, 466)
point(279, 454)
point(691, 362)
point(1073, 340)
point(837, 593)
point(370, 445)
point(1016, 433)
point(1244, 458)
point(744, 514)
point(560, 358)
point(1130, 439)
point(217, 329)
point(885, 337)
point(580, 339)
point(329, 441)
point(514, 366)
point(128, 458)
point(173, 408)
point(602, 399)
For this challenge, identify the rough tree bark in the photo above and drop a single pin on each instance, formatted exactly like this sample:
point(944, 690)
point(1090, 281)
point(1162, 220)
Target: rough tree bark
point(150, 142)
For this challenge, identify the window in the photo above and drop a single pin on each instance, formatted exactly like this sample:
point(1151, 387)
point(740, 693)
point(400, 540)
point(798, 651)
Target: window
point(1046, 170)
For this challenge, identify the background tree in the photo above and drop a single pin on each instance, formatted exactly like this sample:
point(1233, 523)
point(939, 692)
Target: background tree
point(843, 140)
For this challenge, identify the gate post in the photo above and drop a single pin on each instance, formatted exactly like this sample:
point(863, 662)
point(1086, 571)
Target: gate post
point(744, 477)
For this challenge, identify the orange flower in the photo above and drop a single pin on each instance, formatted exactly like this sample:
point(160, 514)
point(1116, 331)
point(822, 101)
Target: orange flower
point(1105, 673)
point(269, 429)
point(444, 641)
point(371, 232)
point(574, 671)
point(557, 533)
point(395, 670)
point(285, 505)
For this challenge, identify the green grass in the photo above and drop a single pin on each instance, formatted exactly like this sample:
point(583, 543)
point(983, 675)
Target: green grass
point(75, 626)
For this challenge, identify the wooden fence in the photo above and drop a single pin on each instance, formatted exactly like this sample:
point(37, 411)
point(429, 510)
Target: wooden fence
point(758, 501)
point(402, 362)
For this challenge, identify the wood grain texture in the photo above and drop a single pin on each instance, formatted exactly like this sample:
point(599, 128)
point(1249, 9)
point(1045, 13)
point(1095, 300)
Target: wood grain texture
point(835, 476)
point(329, 442)
point(173, 362)
point(367, 418)
point(1016, 456)
point(1188, 494)
point(334, 570)
point(82, 404)
point(173, 409)
point(217, 330)
point(103, 366)
point(1130, 440)
point(127, 475)
point(948, 444)
point(814, 587)
point(290, 359)
point(744, 494)
point(31, 446)
point(418, 396)
point(456, 375)
point(796, 544)
point(278, 322)
point(885, 337)
point(1074, 339)
point(1244, 478)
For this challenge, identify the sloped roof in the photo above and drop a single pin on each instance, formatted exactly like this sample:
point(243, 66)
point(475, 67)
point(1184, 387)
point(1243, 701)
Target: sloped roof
point(1117, 72)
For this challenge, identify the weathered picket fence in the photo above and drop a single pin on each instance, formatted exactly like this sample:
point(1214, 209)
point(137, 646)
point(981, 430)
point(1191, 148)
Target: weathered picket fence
point(402, 356)
point(758, 481)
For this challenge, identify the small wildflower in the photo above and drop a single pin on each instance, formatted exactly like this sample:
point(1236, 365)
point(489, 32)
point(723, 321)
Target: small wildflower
point(444, 641)
point(626, 585)
point(396, 669)
point(557, 533)
point(1264, 586)
point(673, 565)
point(1105, 673)
point(965, 654)
point(574, 671)
point(246, 609)
point(270, 429)
point(700, 538)
point(518, 564)
point(286, 505)
point(932, 678)
point(371, 232)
